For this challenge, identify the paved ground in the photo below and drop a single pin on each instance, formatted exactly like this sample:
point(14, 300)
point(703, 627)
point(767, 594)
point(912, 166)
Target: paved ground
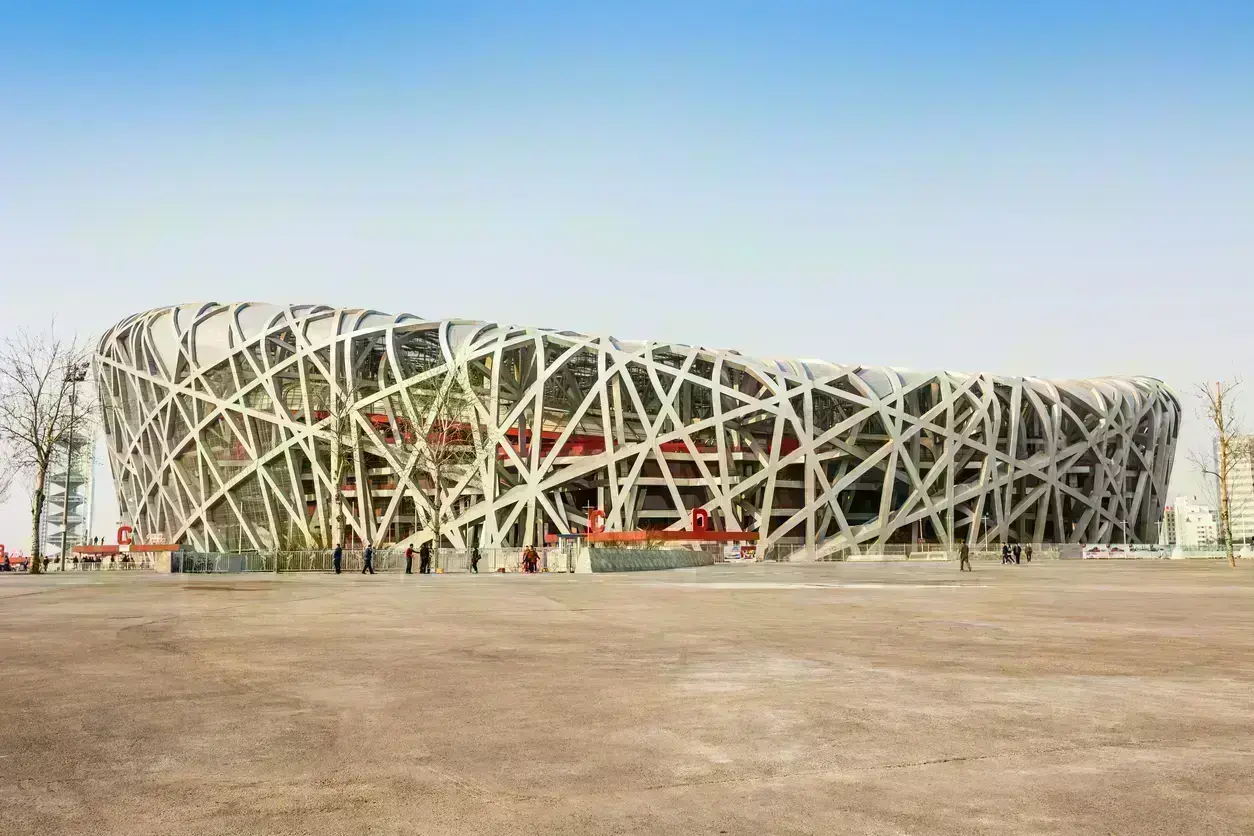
point(863, 699)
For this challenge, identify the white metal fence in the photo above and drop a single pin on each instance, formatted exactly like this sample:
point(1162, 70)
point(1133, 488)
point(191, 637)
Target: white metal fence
point(102, 563)
point(444, 561)
point(991, 551)
point(455, 561)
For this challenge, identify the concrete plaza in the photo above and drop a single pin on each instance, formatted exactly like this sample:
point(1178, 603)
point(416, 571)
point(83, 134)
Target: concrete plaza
point(1051, 698)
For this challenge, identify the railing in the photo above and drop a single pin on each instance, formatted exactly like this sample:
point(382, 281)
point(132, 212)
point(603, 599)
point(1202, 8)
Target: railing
point(496, 560)
point(106, 563)
point(980, 551)
point(448, 561)
point(213, 562)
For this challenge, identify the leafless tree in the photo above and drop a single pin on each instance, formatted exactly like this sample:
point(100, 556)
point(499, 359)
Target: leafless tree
point(1231, 446)
point(449, 437)
point(42, 410)
point(336, 407)
point(7, 472)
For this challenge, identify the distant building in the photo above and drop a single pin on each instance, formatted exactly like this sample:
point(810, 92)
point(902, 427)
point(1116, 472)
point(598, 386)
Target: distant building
point(1167, 535)
point(1189, 524)
point(74, 517)
point(1241, 493)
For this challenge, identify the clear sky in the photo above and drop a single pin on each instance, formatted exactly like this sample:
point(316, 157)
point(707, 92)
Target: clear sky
point(1054, 189)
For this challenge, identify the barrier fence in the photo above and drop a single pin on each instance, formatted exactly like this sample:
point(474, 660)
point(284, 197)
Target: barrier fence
point(992, 551)
point(444, 561)
point(101, 563)
point(559, 559)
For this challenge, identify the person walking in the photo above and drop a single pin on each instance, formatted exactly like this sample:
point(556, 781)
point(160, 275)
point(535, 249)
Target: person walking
point(1027, 552)
point(1005, 554)
point(964, 558)
point(367, 561)
point(424, 558)
point(1018, 550)
point(474, 559)
point(337, 558)
point(409, 560)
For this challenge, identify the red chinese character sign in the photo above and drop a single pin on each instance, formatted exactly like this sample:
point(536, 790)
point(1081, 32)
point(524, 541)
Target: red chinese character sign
point(596, 521)
point(700, 519)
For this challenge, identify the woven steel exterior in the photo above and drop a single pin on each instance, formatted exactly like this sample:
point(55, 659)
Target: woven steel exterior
point(215, 441)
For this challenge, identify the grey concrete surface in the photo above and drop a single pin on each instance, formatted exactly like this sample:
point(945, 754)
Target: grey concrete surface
point(1058, 698)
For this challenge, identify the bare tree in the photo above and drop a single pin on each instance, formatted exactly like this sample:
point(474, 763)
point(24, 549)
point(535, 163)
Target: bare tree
point(336, 408)
point(7, 472)
point(1230, 447)
point(41, 411)
point(448, 439)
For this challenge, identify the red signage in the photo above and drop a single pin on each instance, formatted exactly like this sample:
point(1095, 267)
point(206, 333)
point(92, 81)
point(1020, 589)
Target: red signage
point(700, 519)
point(596, 521)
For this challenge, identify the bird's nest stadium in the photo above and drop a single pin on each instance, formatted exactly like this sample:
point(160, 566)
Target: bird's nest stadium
point(220, 438)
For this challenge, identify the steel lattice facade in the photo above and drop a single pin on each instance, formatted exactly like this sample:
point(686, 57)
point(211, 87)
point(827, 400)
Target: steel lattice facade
point(214, 442)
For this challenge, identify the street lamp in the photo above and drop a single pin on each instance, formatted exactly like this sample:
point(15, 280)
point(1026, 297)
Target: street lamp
point(75, 374)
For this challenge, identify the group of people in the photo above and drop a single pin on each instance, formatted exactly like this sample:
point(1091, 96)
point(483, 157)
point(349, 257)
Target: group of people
point(530, 560)
point(1008, 555)
point(424, 559)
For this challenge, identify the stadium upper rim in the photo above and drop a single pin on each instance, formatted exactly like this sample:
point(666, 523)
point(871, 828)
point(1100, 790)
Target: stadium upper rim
point(251, 319)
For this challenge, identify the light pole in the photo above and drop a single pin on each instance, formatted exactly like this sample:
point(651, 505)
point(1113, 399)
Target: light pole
point(76, 374)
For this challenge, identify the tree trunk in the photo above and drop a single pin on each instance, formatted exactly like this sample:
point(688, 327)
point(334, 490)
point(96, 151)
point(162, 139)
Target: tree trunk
point(35, 565)
point(337, 500)
point(435, 520)
point(1225, 517)
point(337, 516)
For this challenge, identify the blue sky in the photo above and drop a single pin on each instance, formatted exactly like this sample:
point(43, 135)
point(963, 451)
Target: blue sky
point(1061, 189)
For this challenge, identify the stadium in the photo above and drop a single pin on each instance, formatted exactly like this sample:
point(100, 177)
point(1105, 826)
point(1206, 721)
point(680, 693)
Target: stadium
point(261, 427)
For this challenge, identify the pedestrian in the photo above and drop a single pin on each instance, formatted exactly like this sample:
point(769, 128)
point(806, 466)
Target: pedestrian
point(1018, 553)
point(337, 558)
point(424, 558)
point(367, 560)
point(474, 560)
point(1027, 552)
point(964, 558)
point(409, 560)
point(1005, 554)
